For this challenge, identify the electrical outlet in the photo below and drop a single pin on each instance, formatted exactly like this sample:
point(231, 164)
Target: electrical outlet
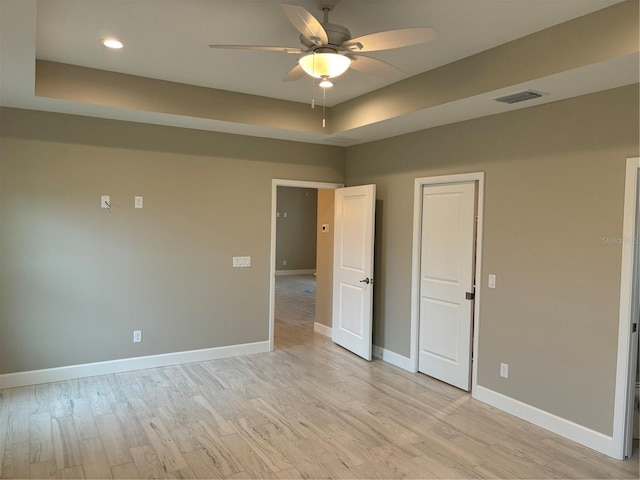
point(137, 336)
point(504, 370)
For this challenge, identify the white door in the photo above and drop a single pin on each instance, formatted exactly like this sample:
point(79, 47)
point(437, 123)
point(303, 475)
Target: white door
point(446, 279)
point(353, 268)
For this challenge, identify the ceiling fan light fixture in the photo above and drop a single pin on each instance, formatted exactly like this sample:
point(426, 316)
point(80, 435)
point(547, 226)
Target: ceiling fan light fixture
point(326, 64)
point(326, 83)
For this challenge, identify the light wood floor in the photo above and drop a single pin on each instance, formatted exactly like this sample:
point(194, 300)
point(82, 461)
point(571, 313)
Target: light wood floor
point(310, 409)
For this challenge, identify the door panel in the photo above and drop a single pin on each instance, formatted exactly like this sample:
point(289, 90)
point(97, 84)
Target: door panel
point(354, 211)
point(353, 263)
point(352, 300)
point(440, 340)
point(446, 275)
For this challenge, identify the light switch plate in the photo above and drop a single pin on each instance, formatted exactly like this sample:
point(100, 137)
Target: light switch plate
point(492, 281)
point(138, 202)
point(105, 201)
point(241, 262)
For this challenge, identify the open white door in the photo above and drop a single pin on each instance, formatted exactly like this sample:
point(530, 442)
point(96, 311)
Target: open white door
point(353, 268)
point(446, 282)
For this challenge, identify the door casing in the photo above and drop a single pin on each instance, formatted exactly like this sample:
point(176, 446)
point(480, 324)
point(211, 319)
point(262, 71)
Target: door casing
point(415, 263)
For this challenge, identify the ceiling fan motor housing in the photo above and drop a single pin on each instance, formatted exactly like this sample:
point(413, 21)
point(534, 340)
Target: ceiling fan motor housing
point(337, 35)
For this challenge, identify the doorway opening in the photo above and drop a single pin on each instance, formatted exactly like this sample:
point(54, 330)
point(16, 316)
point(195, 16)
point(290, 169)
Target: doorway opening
point(299, 279)
point(297, 239)
point(436, 199)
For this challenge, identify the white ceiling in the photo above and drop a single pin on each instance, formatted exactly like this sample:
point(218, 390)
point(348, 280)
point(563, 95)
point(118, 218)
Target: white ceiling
point(167, 39)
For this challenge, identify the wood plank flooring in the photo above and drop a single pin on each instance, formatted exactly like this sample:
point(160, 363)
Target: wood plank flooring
point(307, 410)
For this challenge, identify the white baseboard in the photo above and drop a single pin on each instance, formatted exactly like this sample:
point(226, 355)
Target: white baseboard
point(322, 329)
point(20, 379)
point(393, 358)
point(296, 272)
point(561, 426)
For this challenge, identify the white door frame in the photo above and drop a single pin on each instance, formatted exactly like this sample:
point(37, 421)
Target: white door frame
point(627, 297)
point(275, 183)
point(415, 263)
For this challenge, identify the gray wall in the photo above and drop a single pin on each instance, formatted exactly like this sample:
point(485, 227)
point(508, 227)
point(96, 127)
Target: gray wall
point(296, 233)
point(77, 280)
point(554, 188)
point(324, 262)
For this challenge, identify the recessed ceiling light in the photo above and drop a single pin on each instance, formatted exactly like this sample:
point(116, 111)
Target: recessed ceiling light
point(112, 43)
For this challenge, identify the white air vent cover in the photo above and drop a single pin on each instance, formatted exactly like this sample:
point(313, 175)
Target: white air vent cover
point(519, 96)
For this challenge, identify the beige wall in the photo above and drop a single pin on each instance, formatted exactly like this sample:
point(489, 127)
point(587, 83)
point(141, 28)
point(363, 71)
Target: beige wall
point(554, 188)
point(77, 280)
point(120, 90)
point(296, 232)
point(324, 263)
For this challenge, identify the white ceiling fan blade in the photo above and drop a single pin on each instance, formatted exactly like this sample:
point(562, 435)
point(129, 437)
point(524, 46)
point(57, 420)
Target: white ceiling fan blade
point(403, 37)
point(295, 73)
point(306, 23)
point(259, 47)
point(373, 66)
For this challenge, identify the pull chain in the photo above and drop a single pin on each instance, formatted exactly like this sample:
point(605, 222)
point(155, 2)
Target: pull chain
point(324, 107)
point(313, 83)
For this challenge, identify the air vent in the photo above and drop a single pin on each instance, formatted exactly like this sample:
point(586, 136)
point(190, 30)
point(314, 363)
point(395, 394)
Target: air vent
point(519, 97)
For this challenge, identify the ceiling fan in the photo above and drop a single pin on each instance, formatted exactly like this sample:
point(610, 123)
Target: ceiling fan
point(328, 49)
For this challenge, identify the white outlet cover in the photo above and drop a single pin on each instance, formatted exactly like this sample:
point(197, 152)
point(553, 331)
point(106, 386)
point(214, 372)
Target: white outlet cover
point(241, 262)
point(138, 202)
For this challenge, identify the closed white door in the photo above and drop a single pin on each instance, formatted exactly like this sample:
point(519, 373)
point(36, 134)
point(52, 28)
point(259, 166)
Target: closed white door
point(446, 282)
point(354, 222)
